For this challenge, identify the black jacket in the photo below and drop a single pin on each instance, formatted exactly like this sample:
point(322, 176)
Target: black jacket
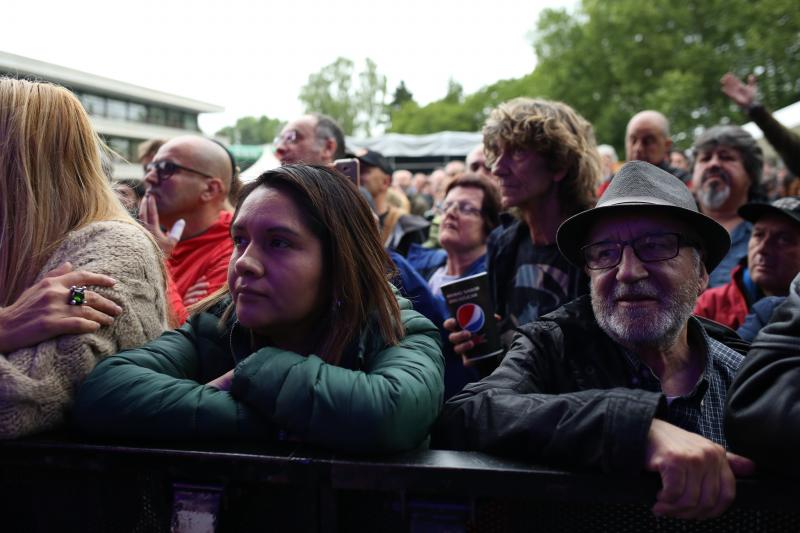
point(501, 264)
point(762, 418)
point(563, 394)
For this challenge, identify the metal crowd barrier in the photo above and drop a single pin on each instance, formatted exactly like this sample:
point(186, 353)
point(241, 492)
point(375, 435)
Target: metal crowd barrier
point(67, 483)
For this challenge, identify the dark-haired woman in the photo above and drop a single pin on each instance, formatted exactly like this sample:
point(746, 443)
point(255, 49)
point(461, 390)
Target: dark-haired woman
point(308, 339)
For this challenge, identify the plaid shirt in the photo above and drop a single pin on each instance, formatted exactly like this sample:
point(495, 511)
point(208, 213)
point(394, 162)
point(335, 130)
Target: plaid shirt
point(701, 410)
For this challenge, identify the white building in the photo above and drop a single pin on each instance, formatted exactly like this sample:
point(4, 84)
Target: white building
point(123, 114)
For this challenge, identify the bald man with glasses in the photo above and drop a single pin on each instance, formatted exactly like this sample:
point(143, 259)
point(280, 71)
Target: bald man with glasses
point(625, 379)
point(186, 210)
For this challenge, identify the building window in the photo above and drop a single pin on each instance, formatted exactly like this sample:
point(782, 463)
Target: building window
point(158, 115)
point(121, 146)
point(174, 118)
point(137, 112)
point(116, 109)
point(190, 122)
point(94, 105)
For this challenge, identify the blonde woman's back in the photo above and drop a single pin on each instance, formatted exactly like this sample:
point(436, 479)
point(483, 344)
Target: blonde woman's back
point(57, 207)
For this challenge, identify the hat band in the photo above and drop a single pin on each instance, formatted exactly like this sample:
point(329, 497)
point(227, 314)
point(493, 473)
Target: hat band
point(640, 200)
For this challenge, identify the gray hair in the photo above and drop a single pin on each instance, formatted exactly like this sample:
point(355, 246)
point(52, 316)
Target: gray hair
point(738, 139)
point(327, 128)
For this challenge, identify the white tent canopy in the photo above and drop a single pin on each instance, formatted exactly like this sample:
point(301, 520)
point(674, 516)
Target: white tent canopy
point(267, 161)
point(444, 143)
point(391, 145)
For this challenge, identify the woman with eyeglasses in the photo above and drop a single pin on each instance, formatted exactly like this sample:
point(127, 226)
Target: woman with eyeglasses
point(470, 211)
point(79, 278)
point(307, 341)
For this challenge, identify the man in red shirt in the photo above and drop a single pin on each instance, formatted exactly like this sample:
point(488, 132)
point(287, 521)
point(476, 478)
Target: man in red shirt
point(187, 184)
point(772, 261)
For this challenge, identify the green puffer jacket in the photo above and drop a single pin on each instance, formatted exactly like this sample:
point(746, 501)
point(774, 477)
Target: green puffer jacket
point(381, 399)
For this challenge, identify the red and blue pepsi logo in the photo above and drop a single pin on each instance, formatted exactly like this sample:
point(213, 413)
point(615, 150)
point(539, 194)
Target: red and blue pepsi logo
point(470, 317)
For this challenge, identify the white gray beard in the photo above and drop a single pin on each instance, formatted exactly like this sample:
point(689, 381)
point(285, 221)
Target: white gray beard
point(713, 197)
point(641, 327)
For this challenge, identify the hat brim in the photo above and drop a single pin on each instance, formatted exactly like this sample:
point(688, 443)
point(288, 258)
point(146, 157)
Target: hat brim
point(752, 212)
point(572, 233)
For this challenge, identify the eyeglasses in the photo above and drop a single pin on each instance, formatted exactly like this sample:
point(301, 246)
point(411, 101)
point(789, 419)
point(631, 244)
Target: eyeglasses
point(165, 169)
point(463, 208)
point(288, 137)
point(475, 166)
point(648, 248)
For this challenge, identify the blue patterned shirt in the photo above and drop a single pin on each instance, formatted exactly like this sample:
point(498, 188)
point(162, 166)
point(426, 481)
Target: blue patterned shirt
point(740, 237)
point(701, 410)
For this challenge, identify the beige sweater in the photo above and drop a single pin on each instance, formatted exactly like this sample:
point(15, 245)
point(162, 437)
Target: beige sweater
point(38, 383)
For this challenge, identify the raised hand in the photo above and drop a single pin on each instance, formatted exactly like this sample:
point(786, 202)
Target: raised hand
point(741, 94)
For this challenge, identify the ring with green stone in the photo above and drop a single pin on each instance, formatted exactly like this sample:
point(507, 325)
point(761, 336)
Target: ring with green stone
point(77, 295)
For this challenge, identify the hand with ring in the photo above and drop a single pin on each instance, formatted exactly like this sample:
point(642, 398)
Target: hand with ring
point(59, 304)
point(77, 295)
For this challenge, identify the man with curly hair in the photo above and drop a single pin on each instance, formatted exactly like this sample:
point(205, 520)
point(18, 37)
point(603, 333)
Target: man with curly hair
point(546, 159)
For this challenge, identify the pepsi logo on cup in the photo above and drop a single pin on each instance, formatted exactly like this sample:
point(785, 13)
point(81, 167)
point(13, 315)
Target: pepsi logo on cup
point(470, 317)
point(469, 303)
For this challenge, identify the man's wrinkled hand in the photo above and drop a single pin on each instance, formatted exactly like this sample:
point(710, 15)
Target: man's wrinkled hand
point(697, 475)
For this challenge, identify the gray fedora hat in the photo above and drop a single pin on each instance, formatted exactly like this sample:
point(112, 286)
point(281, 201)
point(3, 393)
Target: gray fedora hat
point(640, 185)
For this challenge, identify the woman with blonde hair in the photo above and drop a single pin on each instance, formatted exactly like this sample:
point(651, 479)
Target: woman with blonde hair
point(307, 342)
point(79, 279)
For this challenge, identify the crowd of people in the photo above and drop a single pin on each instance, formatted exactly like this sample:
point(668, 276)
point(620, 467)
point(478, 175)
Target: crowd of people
point(308, 306)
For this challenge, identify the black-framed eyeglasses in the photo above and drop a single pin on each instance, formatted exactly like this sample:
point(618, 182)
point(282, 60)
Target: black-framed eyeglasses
point(463, 208)
point(166, 168)
point(648, 248)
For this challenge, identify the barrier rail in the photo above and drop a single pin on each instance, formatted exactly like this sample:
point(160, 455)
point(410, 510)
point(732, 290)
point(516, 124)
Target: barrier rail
point(63, 483)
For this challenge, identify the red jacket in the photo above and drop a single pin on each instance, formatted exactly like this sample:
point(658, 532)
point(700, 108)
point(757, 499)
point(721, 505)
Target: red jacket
point(725, 304)
point(206, 255)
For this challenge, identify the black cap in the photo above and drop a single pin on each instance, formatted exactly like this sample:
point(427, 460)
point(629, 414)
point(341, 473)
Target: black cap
point(373, 159)
point(788, 206)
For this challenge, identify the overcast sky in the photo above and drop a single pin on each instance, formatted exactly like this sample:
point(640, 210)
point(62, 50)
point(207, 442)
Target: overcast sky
point(252, 57)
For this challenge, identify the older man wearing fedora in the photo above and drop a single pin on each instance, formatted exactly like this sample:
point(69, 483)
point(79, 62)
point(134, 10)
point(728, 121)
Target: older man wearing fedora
point(625, 379)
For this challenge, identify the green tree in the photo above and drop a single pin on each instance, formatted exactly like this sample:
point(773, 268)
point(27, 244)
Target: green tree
point(370, 99)
point(609, 60)
point(252, 130)
point(612, 59)
point(401, 96)
point(357, 108)
point(454, 112)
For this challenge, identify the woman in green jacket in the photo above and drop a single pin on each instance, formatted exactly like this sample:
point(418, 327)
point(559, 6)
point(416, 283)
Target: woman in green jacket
point(307, 341)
